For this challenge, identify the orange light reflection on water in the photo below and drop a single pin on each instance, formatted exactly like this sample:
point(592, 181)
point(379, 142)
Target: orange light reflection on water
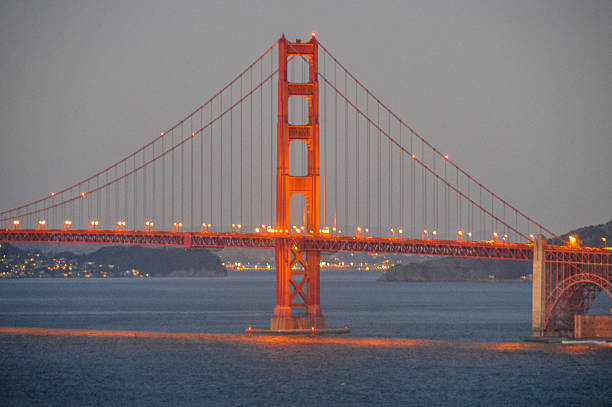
point(289, 340)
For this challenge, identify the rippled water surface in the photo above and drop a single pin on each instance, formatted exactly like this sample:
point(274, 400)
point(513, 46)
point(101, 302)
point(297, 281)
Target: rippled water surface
point(411, 343)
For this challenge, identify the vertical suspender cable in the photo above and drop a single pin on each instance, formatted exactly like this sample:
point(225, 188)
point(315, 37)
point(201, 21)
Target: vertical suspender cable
point(356, 159)
point(201, 220)
point(368, 153)
point(163, 179)
point(231, 154)
point(251, 200)
point(125, 211)
point(346, 166)
point(182, 176)
point(221, 163)
point(335, 189)
point(108, 190)
point(378, 208)
point(210, 165)
point(272, 220)
point(116, 198)
point(324, 156)
point(173, 218)
point(153, 196)
point(241, 148)
point(261, 144)
point(191, 141)
point(401, 159)
point(135, 178)
point(412, 187)
point(390, 175)
point(144, 186)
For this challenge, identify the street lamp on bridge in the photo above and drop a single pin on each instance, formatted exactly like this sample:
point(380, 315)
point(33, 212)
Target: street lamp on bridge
point(205, 227)
point(93, 224)
point(16, 223)
point(67, 224)
point(41, 224)
point(177, 226)
point(149, 224)
point(605, 242)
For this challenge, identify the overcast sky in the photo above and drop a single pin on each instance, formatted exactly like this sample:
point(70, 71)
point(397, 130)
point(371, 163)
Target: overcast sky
point(518, 92)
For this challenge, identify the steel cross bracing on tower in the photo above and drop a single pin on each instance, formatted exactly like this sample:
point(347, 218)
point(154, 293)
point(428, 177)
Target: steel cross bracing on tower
point(350, 176)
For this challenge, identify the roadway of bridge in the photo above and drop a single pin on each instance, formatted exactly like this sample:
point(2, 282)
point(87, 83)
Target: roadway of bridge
point(319, 242)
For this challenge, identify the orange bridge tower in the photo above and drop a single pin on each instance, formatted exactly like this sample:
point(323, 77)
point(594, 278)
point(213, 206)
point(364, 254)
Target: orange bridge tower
point(297, 271)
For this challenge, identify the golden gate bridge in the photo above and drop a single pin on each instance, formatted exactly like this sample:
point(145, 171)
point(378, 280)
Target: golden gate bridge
point(297, 155)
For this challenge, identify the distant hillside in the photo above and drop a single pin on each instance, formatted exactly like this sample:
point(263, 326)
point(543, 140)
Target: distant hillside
point(458, 269)
point(465, 269)
point(158, 262)
point(591, 235)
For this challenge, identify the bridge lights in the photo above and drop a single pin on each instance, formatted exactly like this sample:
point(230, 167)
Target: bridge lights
point(177, 226)
point(532, 238)
point(605, 241)
point(357, 231)
point(94, 223)
point(41, 224)
point(505, 237)
point(460, 235)
point(67, 224)
point(400, 231)
point(205, 227)
point(121, 225)
point(469, 235)
point(434, 234)
point(314, 34)
point(425, 234)
point(149, 224)
point(83, 194)
point(494, 236)
point(391, 232)
point(236, 228)
point(446, 156)
point(52, 194)
point(16, 223)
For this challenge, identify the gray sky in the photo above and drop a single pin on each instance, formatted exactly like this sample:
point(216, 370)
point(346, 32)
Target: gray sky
point(519, 93)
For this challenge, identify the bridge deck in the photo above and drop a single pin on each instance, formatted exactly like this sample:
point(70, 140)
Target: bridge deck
point(322, 242)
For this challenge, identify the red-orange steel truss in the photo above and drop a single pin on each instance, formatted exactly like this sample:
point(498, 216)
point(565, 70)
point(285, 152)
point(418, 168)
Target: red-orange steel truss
point(574, 278)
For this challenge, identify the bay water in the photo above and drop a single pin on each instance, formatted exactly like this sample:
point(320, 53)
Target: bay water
point(410, 344)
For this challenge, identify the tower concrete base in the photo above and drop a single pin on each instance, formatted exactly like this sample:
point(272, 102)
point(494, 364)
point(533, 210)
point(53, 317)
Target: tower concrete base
point(301, 322)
